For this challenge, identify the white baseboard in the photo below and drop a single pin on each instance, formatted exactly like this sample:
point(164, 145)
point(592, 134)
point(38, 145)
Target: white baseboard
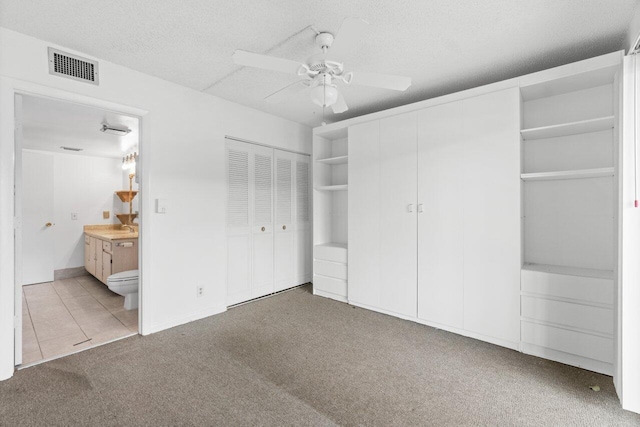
point(329, 295)
point(491, 340)
point(152, 329)
point(568, 359)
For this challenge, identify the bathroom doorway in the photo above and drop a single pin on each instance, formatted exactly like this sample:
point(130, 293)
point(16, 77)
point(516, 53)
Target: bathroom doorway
point(77, 204)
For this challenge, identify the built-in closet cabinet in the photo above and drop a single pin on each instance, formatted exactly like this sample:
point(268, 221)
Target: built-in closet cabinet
point(434, 208)
point(382, 196)
point(492, 212)
point(268, 227)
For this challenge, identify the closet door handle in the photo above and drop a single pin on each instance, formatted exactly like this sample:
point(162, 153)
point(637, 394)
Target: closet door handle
point(410, 208)
point(420, 208)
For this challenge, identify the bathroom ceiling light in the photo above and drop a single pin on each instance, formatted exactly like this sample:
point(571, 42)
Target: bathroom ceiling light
point(114, 130)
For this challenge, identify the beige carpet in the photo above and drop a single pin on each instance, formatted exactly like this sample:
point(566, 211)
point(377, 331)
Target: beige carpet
point(295, 359)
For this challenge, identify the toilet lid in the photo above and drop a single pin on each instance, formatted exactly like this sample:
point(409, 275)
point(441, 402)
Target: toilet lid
point(124, 275)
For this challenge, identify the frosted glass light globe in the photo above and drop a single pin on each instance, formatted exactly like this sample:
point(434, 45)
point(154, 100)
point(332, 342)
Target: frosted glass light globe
point(324, 95)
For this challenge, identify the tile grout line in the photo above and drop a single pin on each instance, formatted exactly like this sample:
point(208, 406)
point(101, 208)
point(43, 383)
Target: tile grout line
point(71, 314)
point(32, 325)
point(105, 307)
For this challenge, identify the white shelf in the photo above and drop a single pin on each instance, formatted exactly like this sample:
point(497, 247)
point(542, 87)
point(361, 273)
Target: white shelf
point(570, 271)
point(572, 174)
point(564, 129)
point(342, 187)
point(332, 245)
point(340, 160)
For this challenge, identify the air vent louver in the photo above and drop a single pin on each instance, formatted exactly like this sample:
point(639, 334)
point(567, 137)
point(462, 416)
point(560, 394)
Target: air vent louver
point(74, 67)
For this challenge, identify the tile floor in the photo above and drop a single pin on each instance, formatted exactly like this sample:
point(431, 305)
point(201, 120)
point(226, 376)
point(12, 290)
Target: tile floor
point(70, 314)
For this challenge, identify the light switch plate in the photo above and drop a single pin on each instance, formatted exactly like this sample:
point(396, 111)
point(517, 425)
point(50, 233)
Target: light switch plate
point(105, 214)
point(161, 206)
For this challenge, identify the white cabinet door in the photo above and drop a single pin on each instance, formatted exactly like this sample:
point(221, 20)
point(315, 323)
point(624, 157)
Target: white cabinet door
point(441, 154)
point(364, 206)
point(284, 232)
point(37, 218)
point(382, 214)
point(492, 251)
point(262, 225)
point(239, 235)
point(398, 217)
point(303, 245)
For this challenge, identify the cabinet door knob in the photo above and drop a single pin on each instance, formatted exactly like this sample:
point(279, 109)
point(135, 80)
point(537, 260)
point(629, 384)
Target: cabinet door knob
point(262, 229)
point(48, 224)
point(284, 227)
point(420, 208)
point(410, 208)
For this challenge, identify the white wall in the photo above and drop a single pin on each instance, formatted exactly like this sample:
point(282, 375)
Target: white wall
point(84, 185)
point(182, 161)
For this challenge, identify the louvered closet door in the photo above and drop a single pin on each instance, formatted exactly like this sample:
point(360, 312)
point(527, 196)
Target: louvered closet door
point(284, 232)
point(262, 221)
point(239, 234)
point(303, 246)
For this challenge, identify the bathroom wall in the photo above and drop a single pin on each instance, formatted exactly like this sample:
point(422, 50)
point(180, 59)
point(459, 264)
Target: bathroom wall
point(83, 185)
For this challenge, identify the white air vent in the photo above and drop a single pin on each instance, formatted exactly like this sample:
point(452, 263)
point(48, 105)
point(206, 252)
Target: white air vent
point(74, 67)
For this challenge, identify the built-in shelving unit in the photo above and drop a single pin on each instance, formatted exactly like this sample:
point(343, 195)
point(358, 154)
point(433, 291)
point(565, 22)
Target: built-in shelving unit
point(569, 140)
point(571, 128)
point(571, 174)
point(330, 155)
point(341, 187)
point(339, 160)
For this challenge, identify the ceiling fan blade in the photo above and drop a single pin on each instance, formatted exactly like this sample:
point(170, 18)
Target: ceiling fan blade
point(287, 91)
point(385, 81)
point(349, 37)
point(340, 106)
point(250, 59)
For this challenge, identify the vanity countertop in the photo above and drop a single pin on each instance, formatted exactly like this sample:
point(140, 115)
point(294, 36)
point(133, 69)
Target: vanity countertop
point(110, 232)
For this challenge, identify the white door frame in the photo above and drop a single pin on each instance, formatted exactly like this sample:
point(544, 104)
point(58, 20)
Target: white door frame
point(11, 154)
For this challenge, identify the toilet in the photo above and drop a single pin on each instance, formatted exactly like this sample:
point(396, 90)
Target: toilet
point(125, 283)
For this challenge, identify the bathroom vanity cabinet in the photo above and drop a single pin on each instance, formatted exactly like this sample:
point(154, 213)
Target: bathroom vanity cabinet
point(109, 251)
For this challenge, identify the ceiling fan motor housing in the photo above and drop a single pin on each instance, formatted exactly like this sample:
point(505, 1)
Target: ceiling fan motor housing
point(324, 40)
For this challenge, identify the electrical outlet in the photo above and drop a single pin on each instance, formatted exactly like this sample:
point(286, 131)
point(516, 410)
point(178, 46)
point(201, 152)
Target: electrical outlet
point(200, 290)
point(74, 216)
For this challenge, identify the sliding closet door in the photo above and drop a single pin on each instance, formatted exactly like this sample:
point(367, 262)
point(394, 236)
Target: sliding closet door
point(441, 154)
point(382, 214)
point(302, 238)
point(284, 232)
point(262, 221)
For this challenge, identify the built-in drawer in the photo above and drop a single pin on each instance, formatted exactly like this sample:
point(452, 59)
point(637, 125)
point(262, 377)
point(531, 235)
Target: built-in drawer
point(331, 252)
point(337, 270)
point(106, 246)
point(329, 284)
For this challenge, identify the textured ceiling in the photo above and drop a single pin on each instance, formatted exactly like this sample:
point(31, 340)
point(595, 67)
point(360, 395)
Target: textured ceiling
point(443, 45)
point(49, 124)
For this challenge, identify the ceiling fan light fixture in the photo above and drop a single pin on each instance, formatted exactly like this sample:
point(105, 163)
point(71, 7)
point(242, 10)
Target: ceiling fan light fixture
point(324, 95)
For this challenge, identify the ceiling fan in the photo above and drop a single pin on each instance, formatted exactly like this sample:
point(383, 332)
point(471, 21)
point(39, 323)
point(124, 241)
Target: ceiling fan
point(322, 71)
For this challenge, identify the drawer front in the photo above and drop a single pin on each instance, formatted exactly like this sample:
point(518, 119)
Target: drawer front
point(330, 269)
point(328, 284)
point(330, 253)
point(106, 246)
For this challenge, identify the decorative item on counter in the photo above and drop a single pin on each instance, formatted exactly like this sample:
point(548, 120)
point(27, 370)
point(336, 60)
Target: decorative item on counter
point(128, 162)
